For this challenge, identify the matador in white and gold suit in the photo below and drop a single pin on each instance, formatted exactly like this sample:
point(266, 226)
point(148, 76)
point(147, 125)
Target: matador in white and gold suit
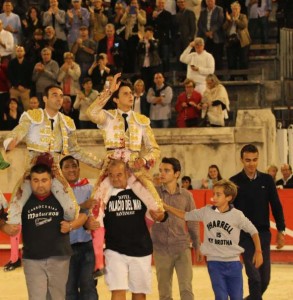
point(46, 143)
point(127, 137)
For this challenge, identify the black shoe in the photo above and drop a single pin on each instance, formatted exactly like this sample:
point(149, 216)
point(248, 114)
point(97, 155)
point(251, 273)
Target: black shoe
point(10, 266)
point(98, 273)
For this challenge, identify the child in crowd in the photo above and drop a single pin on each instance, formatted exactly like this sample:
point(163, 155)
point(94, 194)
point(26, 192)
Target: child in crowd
point(222, 226)
point(186, 183)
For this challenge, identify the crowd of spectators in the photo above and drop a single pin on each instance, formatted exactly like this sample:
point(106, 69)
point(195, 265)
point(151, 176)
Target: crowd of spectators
point(63, 42)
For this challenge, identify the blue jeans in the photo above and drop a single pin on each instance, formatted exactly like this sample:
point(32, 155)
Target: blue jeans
point(258, 279)
point(226, 278)
point(80, 284)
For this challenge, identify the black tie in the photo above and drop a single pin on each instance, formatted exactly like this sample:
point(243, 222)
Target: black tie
point(52, 123)
point(259, 3)
point(125, 121)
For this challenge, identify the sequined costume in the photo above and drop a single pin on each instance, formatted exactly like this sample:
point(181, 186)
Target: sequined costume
point(138, 141)
point(45, 143)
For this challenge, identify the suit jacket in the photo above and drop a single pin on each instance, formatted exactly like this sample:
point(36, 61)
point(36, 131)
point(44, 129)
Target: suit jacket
point(217, 20)
point(59, 25)
point(288, 185)
point(185, 24)
point(118, 52)
point(162, 27)
point(241, 29)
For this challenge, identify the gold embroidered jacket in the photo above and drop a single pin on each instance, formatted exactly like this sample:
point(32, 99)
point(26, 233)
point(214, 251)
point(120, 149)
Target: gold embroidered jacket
point(138, 138)
point(35, 127)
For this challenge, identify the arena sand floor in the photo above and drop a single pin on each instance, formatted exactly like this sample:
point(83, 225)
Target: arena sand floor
point(12, 285)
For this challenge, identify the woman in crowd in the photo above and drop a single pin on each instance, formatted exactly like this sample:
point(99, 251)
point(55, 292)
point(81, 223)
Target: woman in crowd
point(84, 99)
point(11, 115)
point(273, 170)
point(214, 175)
point(140, 104)
point(186, 183)
point(32, 22)
point(188, 106)
point(238, 39)
point(149, 61)
point(68, 76)
point(215, 102)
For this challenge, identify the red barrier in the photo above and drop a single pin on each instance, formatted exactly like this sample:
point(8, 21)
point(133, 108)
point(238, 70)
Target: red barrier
point(202, 197)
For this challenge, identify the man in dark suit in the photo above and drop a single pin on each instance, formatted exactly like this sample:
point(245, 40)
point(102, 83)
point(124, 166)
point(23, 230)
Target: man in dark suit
point(185, 25)
point(287, 181)
point(162, 23)
point(114, 47)
point(210, 24)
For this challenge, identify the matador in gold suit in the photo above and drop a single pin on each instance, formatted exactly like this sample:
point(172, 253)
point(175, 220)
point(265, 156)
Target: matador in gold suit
point(47, 141)
point(127, 137)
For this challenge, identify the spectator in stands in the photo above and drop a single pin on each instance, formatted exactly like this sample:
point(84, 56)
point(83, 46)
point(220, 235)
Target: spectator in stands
point(162, 23)
point(20, 7)
point(134, 20)
point(34, 103)
point(185, 26)
point(186, 183)
point(77, 16)
point(210, 28)
point(188, 106)
point(68, 76)
point(160, 97)
point(99, 71)
point(84, 49)
point(11, 22)
point(258, 18)
point(215, 102)
point(99, 20)
point(11, 115)
point(214, 175)
point(56, 45)
point(83, 100)
point(273, 170)
point(200, 63)
point(34, 46)
point(68, 110)
point(238, 39)
point(20, 75)
point(287, 181)
point(114, 19)
point(140, 104)
point(114, 46)
point(4, 87)
point(284, 13)
point(55, 17)
point(45, 73)
point(31, 22)
point(149, 61)
point(6, 44)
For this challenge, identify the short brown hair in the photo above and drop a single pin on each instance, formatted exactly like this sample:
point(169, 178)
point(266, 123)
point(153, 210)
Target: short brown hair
point(230, 189)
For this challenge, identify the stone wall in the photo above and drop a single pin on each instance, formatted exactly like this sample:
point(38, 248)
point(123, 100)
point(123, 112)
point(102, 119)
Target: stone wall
point(196, 148)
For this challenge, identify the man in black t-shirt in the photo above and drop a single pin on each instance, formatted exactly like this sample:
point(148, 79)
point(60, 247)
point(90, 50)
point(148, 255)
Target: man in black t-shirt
point(128, 242)
point(46, 250)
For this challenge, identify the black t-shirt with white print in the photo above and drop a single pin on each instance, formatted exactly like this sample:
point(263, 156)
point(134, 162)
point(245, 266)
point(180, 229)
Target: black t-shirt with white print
point(41, 229)
point(125, 225)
